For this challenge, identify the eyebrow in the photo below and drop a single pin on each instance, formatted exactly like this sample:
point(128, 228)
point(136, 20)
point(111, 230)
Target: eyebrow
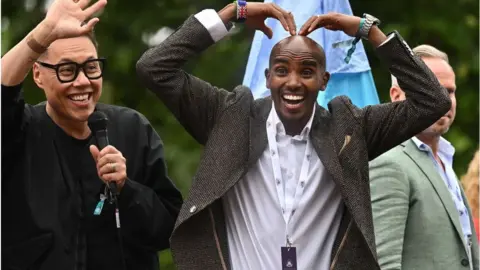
point(67, 60)
point(312, 63)
point(280, 60)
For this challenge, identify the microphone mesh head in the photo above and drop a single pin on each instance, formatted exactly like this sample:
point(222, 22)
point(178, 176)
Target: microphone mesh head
point(97, 121)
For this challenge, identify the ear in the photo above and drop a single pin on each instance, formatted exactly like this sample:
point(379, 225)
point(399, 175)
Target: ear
point(324, 82)
point(267, 78)
point(396, 94)
point(37, 77)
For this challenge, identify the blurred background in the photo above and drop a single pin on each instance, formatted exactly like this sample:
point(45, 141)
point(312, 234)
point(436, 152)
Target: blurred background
point(128, 28)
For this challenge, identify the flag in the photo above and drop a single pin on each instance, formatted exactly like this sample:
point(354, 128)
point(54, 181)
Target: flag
point(354, 79)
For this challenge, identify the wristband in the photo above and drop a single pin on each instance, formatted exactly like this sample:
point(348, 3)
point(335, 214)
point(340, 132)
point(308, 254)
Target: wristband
point(354, 43)
point(241, 10)
point(35, 46)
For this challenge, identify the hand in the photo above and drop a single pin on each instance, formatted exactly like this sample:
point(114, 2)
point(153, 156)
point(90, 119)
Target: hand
point(111, 165)
point(332, 21)
point(64, 18)
point(257, 13)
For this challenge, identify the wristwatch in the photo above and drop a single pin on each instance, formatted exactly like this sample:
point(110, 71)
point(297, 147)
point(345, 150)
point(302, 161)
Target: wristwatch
point(368, 22)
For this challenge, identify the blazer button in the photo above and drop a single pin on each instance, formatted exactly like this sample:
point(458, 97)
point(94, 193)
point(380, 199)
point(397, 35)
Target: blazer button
point(193, 209)
point(465, 262)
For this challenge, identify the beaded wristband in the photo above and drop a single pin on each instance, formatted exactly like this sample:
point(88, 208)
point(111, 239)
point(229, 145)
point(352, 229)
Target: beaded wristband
point(354, 43)
point(241, 10)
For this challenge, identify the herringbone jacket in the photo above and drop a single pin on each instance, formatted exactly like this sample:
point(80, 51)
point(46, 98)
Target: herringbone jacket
point(231, 126)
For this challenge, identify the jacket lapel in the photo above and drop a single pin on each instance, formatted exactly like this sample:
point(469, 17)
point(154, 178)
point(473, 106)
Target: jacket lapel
point(258, 131)
point(424, 162)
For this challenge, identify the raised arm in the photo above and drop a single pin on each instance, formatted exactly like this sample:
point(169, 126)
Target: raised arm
point(194, 102)
point(388, 125)
point(63, 20)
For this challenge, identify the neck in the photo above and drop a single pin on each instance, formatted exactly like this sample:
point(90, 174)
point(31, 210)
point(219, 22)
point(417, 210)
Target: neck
point(293, 128)
point(430, 140)
point(75, 129)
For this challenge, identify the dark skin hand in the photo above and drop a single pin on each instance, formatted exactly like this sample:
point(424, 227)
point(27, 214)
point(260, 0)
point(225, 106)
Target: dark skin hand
point(258, 13)
point(346, 23)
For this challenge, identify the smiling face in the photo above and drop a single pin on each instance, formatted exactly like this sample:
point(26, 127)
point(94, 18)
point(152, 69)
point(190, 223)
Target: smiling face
point(73, 101)
point(296, 75)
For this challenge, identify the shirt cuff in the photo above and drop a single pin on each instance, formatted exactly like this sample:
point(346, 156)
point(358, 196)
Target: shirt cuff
point(388, 39)
point(211, 21)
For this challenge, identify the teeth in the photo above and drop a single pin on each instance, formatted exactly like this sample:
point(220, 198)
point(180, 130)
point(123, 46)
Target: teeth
point(79, 97)
point(292, 97)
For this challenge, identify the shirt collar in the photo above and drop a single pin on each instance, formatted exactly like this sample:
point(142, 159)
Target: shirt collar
point(280, 129)
point(445, 148)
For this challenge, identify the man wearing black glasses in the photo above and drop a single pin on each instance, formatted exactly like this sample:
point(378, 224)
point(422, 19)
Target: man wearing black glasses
point(57, 211)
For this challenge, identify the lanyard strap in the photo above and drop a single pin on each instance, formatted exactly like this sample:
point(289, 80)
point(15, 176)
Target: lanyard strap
point(287, 210)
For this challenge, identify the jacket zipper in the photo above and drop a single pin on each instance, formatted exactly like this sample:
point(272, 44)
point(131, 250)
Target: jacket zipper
point(217, 241)
point(342, 243)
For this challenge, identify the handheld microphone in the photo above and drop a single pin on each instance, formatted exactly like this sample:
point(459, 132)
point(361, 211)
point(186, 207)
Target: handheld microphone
point(97, 122)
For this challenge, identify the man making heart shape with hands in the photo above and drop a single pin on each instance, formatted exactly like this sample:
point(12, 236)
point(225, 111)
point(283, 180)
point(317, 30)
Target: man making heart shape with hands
point(283, 182)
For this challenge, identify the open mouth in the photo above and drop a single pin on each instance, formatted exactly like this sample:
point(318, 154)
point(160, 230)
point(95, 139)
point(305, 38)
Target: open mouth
point(293, 101)
point(80, 99)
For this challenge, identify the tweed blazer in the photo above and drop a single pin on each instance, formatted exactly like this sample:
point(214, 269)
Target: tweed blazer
point(232, 127)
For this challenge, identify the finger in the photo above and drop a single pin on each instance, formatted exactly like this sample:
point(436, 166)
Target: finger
point(88, 27)
point(99, 5)
point(314, 25)
point(291, 24)
point(279, 16)
point(113, 167)
point(266, 30)
point(287, 16)
point(117, 176)
point(95, 152)
point(83, 3)
point(306, 25)
point(110, 158)
point(109, 149)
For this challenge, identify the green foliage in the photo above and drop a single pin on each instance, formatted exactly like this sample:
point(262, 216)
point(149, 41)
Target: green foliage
point(450, 26)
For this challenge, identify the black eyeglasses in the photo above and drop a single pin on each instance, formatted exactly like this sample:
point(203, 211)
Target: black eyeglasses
point(68, 71)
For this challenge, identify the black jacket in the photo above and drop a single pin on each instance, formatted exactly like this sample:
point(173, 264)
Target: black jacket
point(44, 224)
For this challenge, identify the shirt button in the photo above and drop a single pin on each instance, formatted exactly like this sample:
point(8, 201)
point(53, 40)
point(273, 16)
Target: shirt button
point(193, 209)
point(273, 152)
point(308, 157)
point(302, 184)
point(278, 182)
point(268, 124)
point(461, 213)
point(465, 262)
point(283, 211)
point(293, 212)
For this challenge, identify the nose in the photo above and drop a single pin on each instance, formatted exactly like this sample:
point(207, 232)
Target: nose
point(81, 80)
point(293, 82)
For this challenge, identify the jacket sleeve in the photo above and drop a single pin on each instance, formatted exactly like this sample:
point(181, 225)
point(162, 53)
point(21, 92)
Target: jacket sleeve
point(149, 206)
point(390, 192)
point(195, 103)
point(387, 125)
point(15, 116)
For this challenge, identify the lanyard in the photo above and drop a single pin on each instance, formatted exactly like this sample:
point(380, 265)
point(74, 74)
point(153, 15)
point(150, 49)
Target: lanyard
point(287, 210)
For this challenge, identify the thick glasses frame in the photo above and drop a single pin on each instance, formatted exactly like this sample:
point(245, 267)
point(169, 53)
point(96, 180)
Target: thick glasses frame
point(78, 67)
